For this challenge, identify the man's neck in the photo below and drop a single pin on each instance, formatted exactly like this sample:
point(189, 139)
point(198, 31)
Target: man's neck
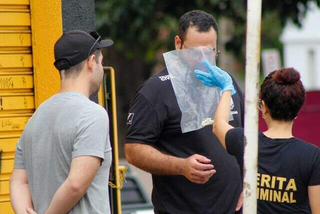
point(74, 85)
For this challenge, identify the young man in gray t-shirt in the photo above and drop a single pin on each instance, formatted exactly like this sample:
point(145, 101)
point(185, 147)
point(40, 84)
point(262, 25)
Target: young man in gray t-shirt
point(63, 157)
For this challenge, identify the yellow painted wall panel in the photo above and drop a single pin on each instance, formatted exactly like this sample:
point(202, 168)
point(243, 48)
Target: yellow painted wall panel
point(14, 2)
point(15, 39)
point(16, 85)
point(15, 19)
point(16, 82)
point(8, 145)
point(13, 123)
point(4, 187)
point(15, 61)
point(7, 166)
point(43, 17)
point(6, 207)
point(16, 102)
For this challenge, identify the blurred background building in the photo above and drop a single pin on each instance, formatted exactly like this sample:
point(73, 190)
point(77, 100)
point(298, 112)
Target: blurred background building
point(301, 47)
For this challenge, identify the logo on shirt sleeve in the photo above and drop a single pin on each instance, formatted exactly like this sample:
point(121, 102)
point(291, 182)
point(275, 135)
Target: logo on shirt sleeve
point(130, 118)
point(231, 118)
point(165, 77)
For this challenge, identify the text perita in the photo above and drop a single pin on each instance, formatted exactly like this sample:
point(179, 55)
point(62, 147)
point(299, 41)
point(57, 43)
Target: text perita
point(276, 188)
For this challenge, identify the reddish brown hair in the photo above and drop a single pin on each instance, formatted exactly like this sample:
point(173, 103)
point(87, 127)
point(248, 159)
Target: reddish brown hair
point(283, 93)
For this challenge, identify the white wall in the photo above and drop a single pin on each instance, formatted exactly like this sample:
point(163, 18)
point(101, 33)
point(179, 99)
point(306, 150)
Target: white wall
point(302, 48)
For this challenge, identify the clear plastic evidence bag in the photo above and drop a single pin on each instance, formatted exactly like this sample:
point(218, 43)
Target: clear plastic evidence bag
point(197, 102)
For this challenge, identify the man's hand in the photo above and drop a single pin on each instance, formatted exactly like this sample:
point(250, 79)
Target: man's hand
point(216, 77)
point(198, 169)
point(30, 211)
point(240, 202)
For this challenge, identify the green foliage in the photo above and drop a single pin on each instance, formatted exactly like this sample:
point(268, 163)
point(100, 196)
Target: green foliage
point(133, 25)
point(140, 28)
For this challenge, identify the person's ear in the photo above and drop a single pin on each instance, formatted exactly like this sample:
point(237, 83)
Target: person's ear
point(90, 62)
point(265, 110)
point(177, 42)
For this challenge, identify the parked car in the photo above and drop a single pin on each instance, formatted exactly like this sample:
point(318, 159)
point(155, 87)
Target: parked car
point(134, 199)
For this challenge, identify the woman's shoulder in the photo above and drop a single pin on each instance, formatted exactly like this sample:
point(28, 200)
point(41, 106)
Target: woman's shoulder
point(306, 146)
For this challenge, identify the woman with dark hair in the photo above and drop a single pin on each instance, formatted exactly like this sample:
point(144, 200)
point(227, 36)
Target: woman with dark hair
point(289, 169)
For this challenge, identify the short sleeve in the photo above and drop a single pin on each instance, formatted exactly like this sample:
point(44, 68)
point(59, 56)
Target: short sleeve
point(19, 159)
point(241, 101)
point(315, 173)
point(234, 144)
point(143, 123)
point(92, 134)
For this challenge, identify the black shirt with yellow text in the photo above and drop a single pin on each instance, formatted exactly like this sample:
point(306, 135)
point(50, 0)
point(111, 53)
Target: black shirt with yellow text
point(286, 168)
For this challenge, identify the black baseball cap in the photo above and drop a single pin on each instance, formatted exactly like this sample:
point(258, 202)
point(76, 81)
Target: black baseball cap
point(75, 46)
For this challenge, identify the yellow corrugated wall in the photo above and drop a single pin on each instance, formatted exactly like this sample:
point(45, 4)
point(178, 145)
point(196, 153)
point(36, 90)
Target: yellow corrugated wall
point(28, 31)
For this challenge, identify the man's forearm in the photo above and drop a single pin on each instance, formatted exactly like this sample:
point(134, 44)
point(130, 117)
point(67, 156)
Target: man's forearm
point(196, 168)
point(19, 191)
point(65, 199)
point(82, 172)
point(151, 160)
point(20, 197)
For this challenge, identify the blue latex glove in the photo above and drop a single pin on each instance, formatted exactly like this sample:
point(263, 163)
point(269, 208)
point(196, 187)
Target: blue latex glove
point(216, 77)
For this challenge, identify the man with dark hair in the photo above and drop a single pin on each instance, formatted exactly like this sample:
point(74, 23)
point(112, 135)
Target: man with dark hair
point(191, 172)
point(199, 19)
point(63, 157)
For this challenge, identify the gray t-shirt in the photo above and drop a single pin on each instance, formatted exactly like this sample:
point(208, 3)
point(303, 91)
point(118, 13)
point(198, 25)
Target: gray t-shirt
point(66, 126)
